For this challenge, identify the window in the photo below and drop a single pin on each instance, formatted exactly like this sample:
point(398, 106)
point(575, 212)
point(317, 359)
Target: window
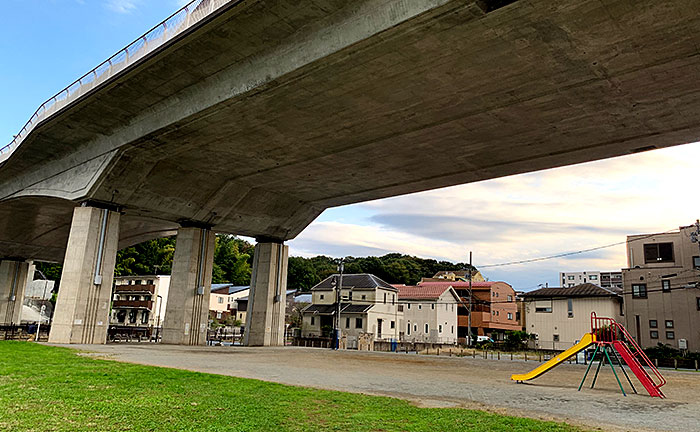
point(498, 313)
point(393, 324)
point(132, 316)
point(639, 290)
point(697, 300)
point(426, 329)
point(364, 297)
point(432, 306)
point(453, 329)
point(347, 322)
point(415, 327)
point(653, 324)
point(358, 323)
point(420, 306)
point(665, 285)
point(150, 282)
point(138, 282)
point(321, 296)
point(543, 306)
point(350, 295)
point(669, 323)
point(670, 335)
point(218, 315)
point(658, 252)
point(593, 277)
point(409, 306)
point(510, 316)
point(570, 277)
point(517, 315)
point(408, 330)
point(400, 307)
point(510, 298)
point(696, 262)
point(221, 300)
point(654, 334)
point(555, 338)
point(393, 298)
point(312, 320)
point(384, 298)
point(440, 328)
point(570, 307)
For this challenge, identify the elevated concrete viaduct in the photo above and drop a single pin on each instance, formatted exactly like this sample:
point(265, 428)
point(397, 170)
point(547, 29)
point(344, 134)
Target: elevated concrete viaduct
point(261, 115)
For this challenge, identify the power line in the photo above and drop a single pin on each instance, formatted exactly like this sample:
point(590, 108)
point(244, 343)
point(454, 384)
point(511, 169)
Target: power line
point(565, 254)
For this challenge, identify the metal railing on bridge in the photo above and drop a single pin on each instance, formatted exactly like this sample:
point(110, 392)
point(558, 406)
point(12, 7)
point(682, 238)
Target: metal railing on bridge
point(183, 19)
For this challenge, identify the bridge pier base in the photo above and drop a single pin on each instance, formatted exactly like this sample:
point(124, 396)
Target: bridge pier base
point(81, 315)
point(187, 310)
point(267, 299)
point(13, 280)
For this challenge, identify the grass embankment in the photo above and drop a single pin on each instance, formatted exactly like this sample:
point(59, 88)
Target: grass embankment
point(53, 389)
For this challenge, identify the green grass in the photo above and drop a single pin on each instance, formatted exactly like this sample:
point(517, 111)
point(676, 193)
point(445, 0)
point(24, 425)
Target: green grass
point(54, 389)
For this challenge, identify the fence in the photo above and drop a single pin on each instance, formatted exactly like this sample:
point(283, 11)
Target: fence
point(25, 332)
point(175, 24)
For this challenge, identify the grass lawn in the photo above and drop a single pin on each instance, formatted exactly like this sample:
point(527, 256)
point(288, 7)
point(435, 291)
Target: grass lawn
point(54, 389)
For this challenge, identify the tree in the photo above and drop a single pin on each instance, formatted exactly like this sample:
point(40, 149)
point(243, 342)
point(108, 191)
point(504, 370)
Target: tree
point(230, 264)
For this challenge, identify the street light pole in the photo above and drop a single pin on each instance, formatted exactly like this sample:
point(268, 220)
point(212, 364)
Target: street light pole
point(160, 306)
point(469, 316)
point(338, 298)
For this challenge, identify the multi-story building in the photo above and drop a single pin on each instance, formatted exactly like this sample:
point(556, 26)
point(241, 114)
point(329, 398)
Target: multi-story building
point(561, 316)
point(139, 302)
point(662, 298)
point(602, 279)
point(494, 308)
point(368, 305)
point(429, 313)
point(222, 301)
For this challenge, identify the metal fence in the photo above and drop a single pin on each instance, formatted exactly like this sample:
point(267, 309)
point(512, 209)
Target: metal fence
point(175, 24)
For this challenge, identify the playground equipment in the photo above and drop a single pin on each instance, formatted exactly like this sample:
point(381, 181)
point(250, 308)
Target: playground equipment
point(609, 338)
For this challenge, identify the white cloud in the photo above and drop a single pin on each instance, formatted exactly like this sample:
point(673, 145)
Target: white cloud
point(122, 6)
point(524, 216)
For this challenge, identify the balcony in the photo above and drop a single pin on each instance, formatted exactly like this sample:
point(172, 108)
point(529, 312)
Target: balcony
point(132, 304)
point(151, 289)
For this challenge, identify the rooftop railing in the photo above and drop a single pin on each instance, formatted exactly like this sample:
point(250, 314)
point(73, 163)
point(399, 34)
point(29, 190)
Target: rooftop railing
point(172, 26)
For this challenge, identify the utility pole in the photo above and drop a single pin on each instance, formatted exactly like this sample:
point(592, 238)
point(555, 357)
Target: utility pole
point(338, 298)
point(469, 316)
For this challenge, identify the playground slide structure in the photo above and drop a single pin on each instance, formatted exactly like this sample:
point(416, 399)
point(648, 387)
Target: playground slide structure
point(608, 336)
point(587, 340)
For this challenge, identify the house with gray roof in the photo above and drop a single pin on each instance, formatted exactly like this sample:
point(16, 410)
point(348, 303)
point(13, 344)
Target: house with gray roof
point(561, 316)
point(368, 305)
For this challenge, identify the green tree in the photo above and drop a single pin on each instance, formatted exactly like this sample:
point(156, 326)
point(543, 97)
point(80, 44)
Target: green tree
point(230, 264)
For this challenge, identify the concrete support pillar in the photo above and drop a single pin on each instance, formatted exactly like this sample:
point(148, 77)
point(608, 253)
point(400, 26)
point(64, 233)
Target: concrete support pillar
point(13, 281)
point(267, 298)
point(81, 315)
point(187, 308)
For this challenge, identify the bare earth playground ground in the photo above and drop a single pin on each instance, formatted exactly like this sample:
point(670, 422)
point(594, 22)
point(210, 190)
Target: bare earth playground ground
point(442, 382)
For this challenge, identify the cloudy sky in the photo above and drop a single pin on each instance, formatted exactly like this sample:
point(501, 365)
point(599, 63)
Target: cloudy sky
point(46, 44)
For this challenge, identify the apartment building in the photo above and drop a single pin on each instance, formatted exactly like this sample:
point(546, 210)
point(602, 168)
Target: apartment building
point(429, 313)
point(139, 301)
point(602, 279)
point(494, 308)
point(561, 316)
point(368, 305)
point(662, 298)
point(222, 300)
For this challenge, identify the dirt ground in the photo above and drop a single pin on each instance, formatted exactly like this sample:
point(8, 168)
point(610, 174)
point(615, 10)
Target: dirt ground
point(443, 382)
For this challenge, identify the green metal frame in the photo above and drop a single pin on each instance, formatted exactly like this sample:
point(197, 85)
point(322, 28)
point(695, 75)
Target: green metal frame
point(600, 364)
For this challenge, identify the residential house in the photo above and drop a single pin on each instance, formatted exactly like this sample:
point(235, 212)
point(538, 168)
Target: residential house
point(222, 300)
point(602, 279)
point(455, 275)
point(139, 301)
point(561, 316)
point(241, 306)
point(662, 299)
point(494, 308)
point(429, 313)
point(368, 305)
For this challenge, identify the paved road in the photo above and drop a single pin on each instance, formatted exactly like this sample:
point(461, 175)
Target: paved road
point(440, 381)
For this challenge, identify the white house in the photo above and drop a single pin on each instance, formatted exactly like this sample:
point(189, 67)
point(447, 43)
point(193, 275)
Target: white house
point(429, 313)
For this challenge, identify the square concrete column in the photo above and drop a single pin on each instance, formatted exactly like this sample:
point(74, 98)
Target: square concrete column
point(267, 298)
point(187, 309)
point(13, 281)
point(81, 315)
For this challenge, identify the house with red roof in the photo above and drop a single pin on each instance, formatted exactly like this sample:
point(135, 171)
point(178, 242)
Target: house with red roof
point(429, 313)
point(494, 308)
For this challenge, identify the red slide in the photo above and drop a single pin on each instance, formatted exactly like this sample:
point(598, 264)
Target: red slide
point(638, 370)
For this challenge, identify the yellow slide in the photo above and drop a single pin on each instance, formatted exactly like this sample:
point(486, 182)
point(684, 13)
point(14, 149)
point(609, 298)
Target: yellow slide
point(586, 340)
